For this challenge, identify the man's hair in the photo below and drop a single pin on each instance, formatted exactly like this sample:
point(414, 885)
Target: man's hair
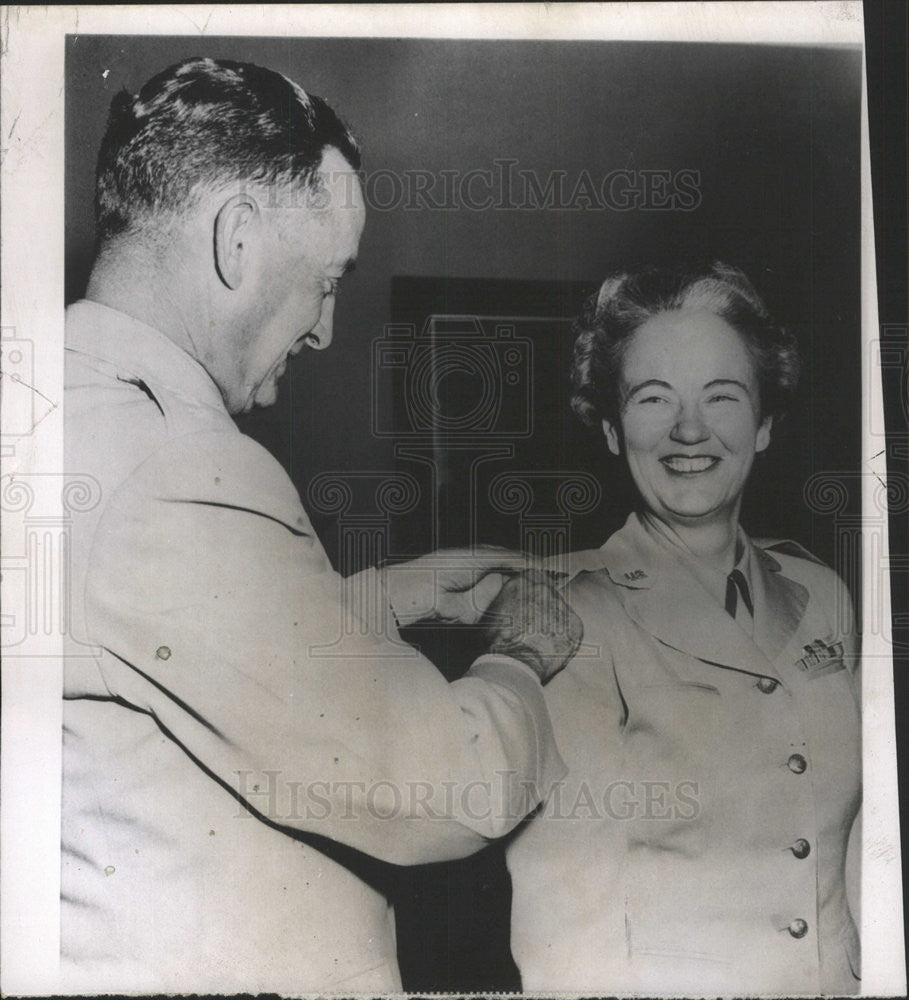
point(208, 124)
point(625, 301)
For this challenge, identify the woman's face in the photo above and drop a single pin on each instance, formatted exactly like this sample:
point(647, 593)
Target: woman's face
point(690, 416)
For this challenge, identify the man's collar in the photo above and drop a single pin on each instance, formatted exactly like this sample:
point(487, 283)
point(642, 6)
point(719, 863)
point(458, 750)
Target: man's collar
point(138, 350)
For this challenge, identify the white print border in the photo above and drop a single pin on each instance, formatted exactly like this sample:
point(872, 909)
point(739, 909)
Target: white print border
point(31, 132)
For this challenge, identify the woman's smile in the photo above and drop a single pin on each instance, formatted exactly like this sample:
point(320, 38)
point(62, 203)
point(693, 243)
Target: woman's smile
point(689, 465)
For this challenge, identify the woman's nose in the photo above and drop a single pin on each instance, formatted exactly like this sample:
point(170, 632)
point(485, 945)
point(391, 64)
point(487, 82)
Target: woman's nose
point(689, 427)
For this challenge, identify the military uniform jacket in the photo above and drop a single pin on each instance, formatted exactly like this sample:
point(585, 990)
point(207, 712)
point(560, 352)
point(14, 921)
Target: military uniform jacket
point(239, 725)
point(699, 842)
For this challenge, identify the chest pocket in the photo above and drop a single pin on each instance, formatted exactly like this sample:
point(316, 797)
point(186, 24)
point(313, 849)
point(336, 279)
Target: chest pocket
point(676, 741)
point(672, 736)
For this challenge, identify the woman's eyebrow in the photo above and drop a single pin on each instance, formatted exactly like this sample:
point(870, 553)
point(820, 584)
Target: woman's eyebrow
point(726, 381)
point(632, 389)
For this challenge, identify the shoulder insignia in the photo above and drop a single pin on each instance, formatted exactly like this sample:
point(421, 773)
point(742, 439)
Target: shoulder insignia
point(787, 547)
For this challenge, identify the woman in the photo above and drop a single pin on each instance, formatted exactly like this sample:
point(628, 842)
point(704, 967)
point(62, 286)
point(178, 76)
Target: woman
point(710, 722)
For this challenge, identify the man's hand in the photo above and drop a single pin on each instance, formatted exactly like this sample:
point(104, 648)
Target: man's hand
point(450, 586)
point(531, 621)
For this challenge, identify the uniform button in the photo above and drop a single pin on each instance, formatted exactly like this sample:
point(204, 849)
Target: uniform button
point(798, 928)
point(801, 848)
point(767, 685)
point(797, 763)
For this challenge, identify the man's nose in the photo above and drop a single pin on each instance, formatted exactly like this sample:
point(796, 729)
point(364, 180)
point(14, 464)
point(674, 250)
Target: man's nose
point(321, 334)
point(689, 427)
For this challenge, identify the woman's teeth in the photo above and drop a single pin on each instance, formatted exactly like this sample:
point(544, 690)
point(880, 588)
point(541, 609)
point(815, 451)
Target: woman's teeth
point(681, 463)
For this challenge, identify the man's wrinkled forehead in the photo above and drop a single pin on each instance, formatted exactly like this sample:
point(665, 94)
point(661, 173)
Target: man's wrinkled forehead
point(329, 213)
point(342, 204)
point(340, 185)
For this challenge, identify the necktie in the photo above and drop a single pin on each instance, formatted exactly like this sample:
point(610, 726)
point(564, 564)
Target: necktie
point(737, 584)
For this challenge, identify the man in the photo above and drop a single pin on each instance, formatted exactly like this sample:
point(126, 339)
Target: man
point(234, 744)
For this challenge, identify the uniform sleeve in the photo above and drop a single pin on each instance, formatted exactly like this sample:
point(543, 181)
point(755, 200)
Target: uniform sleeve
point(221, 616)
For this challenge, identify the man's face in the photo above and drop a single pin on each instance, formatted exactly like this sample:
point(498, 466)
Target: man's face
point(690, 419)
point(306, 251)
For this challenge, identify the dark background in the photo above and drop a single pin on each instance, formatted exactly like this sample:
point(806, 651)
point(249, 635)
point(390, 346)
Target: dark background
point(773, 133)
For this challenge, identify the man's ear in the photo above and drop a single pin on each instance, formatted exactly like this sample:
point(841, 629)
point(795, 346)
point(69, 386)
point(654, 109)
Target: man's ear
point(612, 437)
point(763, 435)
point(233, 228)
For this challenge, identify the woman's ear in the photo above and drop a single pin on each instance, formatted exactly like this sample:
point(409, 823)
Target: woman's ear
point(233, 225)
point(763, 435)
point(612, 437)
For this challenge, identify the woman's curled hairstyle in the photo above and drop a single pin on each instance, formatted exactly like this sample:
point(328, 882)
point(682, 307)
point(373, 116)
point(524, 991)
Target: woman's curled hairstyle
point(625, 301)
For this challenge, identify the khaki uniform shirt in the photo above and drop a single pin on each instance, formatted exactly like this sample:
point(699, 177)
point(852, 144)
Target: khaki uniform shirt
point(699, 842)
point(237, 726)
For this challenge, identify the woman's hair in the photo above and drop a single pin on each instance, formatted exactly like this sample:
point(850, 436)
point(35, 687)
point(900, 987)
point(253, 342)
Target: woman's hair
point(627, 300)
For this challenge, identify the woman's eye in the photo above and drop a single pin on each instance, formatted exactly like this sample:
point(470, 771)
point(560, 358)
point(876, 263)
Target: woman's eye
point(652, 399)
point(723, 397)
